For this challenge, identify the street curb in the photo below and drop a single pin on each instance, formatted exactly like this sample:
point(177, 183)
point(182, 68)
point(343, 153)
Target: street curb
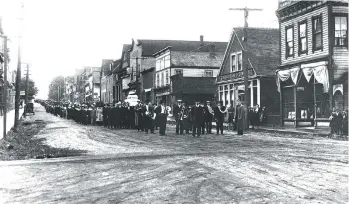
point(272, 130)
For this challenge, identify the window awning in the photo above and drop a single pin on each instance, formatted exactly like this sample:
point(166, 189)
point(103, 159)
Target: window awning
point(319, 69)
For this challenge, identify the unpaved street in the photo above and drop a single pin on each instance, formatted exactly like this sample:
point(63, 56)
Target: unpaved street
point(130, 167)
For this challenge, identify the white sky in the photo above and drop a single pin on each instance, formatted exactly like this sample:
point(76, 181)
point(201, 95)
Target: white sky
point(59, 36)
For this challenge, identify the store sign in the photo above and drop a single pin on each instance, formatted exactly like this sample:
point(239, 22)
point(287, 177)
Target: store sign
point(163, 94)
point(22, 93)
point(235, 75)
point(338, 87)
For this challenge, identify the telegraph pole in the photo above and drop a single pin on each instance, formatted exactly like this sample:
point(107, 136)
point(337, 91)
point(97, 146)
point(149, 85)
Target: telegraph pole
point(138, 74)
point(17, 96)
point(27, 85)
point(5, 86)
point(18, 76)
point(244, 55)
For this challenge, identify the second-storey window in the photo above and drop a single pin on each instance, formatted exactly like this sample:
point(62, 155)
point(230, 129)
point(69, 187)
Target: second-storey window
point(162, 79)
point(239, 62)
point(302, 29)
point(236, 62)
point(167, 78)
point(341, 31)
point(157, 80)
point(208, 73)
point(289, 42)
point(233, 63)
point(317, 33)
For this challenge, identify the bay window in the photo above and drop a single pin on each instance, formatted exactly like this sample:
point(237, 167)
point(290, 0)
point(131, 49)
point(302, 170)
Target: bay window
point(340, 31)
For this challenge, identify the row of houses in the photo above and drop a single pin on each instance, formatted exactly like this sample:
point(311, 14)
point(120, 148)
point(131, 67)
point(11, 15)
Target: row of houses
point(299, 72)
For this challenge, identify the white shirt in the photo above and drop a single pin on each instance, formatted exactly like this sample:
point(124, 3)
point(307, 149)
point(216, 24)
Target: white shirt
point(162, 109)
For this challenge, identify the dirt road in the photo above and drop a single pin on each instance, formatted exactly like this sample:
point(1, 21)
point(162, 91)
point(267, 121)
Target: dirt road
point(124, 166)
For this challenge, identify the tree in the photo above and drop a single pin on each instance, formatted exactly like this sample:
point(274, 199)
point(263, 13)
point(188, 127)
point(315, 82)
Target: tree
point(32, 89)
point(55, 88)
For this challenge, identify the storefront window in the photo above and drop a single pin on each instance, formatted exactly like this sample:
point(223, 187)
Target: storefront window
point(322, 102)
point(232, 93)
point(226, 94)
point(288, 99)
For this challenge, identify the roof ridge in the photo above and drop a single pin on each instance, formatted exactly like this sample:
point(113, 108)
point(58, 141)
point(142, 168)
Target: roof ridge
point(257, 28)
point(181, 40)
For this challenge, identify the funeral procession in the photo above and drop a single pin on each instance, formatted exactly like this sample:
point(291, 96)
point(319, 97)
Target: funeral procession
point(167, 102)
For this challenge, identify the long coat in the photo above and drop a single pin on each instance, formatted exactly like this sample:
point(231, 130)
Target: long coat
point(240, 118)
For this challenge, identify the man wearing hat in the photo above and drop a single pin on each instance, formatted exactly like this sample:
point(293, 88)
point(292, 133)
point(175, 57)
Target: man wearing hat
point(148, 113)
point(209, 114)
point(240, 118)
point(162, 113)
point(220, 112)
point(197, 117)
point(177, 112)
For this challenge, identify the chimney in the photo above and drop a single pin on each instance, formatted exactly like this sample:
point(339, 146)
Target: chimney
point(212, 50)
point(201, 40)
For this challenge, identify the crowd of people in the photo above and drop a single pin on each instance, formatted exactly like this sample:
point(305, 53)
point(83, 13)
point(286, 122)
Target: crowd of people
point(189, 119)
point(339, 122)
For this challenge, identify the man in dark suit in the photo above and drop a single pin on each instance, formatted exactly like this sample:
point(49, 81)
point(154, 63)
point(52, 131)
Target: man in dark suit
point(162, 113)
point(197, 116)
point(209, 114)
point(177, 112)
point(148, 111)
point(219, 113)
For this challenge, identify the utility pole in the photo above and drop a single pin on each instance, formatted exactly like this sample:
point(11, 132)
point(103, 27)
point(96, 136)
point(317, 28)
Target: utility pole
point(17, 96)
point(244, 56)
point(138, 75)
point(18, 75)
point(5, 87)
point(27, 84)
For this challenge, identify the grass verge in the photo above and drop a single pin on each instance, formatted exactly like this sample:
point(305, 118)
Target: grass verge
point(24, 145)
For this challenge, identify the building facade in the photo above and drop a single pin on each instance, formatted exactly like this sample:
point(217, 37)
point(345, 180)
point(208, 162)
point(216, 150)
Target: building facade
point(262, 58)
point(313, 75)
point(191, 64)
point(92, 83)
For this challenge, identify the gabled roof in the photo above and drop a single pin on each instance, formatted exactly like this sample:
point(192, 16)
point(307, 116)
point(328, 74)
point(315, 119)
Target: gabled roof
point(262, 48)
point(196, 59)
point(115, 66)
point(149, 47)
point(106, 66)
point(125, 58)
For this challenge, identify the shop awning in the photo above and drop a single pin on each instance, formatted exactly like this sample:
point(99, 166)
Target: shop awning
point(319, 69)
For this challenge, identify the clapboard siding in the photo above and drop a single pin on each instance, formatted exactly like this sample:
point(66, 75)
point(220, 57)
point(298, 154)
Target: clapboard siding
point(340, 59)
point(294, 22)
point(340, 9)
